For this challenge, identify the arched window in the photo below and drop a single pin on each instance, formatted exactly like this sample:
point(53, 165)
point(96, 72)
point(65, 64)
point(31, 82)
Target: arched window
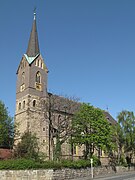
point(23, 64)
point(38, 77)
point(38, 63)
point(23, 104)
point(34, 103)
point(19, 106)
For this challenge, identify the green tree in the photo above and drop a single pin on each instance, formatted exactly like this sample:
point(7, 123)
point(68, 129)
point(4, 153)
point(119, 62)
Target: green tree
point(120, 141)
point(91, 129)
point(126, 131)
point(27, 147)
point(6, 127)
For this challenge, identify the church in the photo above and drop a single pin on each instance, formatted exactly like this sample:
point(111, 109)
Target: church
point(39, 111)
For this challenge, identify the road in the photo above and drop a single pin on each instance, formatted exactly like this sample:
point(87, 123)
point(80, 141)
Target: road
point(124, 176)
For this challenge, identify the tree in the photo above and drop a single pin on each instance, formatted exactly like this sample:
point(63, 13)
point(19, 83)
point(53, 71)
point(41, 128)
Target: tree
point(27, 147)
point(120, 140)
point(62, 110)
point(126, 121)
point(90, 128)
point(59, 111)
point(6, 127)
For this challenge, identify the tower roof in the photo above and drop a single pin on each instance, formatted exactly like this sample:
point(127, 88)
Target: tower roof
point(33, 46)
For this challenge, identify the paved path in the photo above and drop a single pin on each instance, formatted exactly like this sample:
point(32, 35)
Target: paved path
point(124, 176)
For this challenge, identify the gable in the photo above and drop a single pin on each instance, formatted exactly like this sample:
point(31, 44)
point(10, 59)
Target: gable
point(23, 64)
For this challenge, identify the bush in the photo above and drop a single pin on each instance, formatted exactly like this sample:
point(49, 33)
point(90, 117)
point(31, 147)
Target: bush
point(28, 147)
point(18, 164)
point(96, 161)
point(76, 164)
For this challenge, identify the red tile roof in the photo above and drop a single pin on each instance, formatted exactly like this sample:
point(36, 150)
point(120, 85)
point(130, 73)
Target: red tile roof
point(5, 153)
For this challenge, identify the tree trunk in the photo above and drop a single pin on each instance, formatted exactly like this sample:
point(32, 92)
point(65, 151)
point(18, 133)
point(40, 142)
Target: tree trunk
point(86, 152)
point(57, 150)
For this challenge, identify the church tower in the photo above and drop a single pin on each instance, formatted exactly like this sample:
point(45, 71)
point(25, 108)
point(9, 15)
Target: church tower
point(31, 91)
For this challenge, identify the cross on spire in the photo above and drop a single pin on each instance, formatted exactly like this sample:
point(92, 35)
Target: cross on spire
point(35, 13)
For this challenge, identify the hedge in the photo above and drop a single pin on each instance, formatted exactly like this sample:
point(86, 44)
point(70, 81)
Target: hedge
point(21, 164)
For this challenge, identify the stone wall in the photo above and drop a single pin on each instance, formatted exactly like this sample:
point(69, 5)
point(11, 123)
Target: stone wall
point(63, 174)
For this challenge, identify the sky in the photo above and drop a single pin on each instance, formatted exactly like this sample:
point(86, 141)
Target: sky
point(87, 45)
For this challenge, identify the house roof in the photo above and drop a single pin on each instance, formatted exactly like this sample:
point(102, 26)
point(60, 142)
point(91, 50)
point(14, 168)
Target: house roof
point(5, 153)
point(64, 105)
point(71, 106)
point(110, 118)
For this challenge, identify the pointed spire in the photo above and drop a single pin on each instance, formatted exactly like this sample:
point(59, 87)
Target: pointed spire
point(33, 46)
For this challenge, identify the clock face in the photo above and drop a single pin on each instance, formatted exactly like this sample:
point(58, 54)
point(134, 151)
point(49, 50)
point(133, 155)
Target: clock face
point(38, 86)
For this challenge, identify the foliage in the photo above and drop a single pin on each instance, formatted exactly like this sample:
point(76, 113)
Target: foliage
point(122, 160)
point(18, 164)
point(91, 128)
point(96, 160)
point(126, 131)
point(6, 127)
point(27, 147)
point(57, 149)
point(119, 139)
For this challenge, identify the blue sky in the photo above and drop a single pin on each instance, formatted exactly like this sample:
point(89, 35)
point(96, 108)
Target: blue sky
point(88, 47)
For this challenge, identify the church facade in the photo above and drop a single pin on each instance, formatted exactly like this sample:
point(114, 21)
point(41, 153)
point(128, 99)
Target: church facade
point(37, 110)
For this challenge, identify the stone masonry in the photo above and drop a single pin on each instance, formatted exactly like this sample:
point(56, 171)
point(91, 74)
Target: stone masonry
point(62, 174)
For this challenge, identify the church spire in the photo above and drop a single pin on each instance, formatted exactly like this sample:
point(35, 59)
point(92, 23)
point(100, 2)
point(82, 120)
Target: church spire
point(33, 46)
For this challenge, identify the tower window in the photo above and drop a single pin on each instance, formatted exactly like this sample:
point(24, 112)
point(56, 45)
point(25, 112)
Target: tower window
point(19, 107)
point(38, 63)
point(43, 129)
point(42, 65)
point(38, 77)
point(34, 103)
point(23, 104)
